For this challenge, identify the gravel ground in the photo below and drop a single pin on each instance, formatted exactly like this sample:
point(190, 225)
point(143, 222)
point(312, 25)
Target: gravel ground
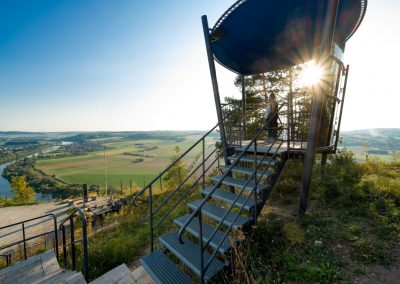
point(15, 214)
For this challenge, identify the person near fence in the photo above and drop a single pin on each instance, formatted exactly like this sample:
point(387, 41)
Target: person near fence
point(271, 118)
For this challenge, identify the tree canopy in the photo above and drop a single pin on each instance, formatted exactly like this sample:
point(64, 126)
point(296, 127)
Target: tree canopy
point(23, 192)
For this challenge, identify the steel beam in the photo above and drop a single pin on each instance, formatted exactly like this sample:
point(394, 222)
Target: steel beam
point(318, 93)
point(214, 82)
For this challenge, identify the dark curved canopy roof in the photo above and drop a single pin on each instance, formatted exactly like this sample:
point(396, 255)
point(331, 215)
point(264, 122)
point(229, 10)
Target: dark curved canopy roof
point(255, 36)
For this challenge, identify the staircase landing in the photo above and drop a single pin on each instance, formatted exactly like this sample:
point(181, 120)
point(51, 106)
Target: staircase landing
point(42, 268)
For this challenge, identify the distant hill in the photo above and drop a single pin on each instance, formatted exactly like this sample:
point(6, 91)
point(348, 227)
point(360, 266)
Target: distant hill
point(383, 143)
point(380, 138)
point(81, 136)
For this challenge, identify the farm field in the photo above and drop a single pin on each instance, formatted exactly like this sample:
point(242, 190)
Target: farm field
point(123, 161)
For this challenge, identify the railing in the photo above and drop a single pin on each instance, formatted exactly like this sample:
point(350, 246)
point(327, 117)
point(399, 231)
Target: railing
point(252, 177)
point(26, 239)
point(73, 242)
point(196, 176)
point(234, 125)
point(298, 116)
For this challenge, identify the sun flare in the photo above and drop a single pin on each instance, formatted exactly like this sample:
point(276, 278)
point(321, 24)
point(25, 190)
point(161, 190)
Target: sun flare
point(311, 74)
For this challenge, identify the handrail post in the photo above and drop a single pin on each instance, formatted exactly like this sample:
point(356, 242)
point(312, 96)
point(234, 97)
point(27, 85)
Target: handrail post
point(201, 247)
point(23, 235)
point(204, 166)
point(85, 249)
point(255, 182)
point(243, 107)
point(56, 237)
point(72, 234)
point(151, 218)
point(240, 127)
point(64, 244)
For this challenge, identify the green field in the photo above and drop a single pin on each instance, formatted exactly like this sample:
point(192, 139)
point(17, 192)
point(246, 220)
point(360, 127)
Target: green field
point(90, 168)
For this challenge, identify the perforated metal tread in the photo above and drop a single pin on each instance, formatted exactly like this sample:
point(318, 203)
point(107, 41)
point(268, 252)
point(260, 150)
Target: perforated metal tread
point(240, 183)
point(193, 228)
point(189, 254)
point(266, 161)
point(217, 213)
point(163, 270)
point(248, 171)
point(230, 197)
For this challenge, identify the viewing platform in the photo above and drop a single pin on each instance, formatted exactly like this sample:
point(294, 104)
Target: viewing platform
point(295, 147)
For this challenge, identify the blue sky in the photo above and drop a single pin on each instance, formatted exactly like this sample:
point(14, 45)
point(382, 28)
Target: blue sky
point(141, 65)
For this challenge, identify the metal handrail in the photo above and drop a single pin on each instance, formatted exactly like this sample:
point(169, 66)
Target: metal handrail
point(182, 183)
point(197, 211)
point(25, 239)
point(206, 159)
point(85, 262)
point(226, 174)
point(176, 161)
point(186, 192)
point(226, 233)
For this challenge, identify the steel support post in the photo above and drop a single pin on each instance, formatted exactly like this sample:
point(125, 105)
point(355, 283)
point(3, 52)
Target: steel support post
point(244, 107)
point(214, 82)
point(323, 56)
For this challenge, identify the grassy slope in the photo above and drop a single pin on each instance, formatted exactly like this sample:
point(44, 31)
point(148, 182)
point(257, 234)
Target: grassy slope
point(90, 168)
point(351, 230)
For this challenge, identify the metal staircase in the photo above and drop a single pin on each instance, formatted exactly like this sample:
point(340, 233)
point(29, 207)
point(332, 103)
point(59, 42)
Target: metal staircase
point(232, 200)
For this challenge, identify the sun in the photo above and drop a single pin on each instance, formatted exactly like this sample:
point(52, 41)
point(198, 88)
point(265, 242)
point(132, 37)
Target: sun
point(311, 74)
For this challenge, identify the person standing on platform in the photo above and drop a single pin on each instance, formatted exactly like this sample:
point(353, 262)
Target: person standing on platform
point(271, 118)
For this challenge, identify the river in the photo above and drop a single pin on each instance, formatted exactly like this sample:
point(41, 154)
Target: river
point(5, 187)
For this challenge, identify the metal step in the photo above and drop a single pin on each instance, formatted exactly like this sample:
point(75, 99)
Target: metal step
point(247, 159)
point(189, 254)
point(217, 213)
point(248, 171)
point(261, 149)
point(230, 197)
point(193, 228)
point(239, 183)
point(162, 269)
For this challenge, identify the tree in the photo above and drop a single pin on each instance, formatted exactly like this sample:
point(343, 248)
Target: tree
point(23, 192)
point(286, 85)
point(177, 173)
